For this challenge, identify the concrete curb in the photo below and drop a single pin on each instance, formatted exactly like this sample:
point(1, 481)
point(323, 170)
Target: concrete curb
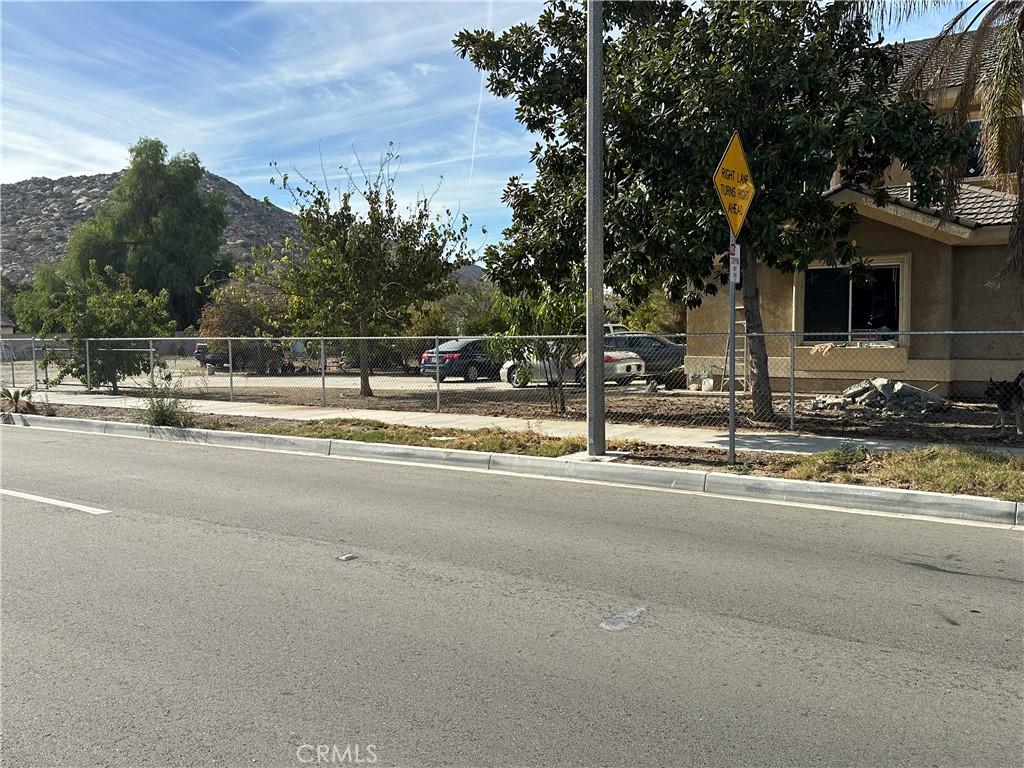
point(860, 497)
point(960, 507)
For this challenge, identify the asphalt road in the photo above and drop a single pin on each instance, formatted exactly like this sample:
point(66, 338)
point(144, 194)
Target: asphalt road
point(206, 620)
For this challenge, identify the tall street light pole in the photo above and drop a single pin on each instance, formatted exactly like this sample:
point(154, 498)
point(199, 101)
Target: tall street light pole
point(595, 232)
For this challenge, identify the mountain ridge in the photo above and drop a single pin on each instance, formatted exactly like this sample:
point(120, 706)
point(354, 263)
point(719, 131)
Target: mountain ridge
point(39, 213)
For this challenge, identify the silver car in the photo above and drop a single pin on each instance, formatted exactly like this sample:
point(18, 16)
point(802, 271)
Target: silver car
point(620, 366)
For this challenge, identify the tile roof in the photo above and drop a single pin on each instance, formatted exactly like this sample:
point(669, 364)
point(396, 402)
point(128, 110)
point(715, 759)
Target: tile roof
point(983, 207)
point(945, 74)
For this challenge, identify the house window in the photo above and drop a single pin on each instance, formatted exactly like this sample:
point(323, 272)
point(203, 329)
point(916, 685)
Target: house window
point(974, 165)
point(838, 309)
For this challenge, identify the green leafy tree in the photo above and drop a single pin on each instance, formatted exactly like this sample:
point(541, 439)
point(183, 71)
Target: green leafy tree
point(244, 308)
point(807, 85)
point(105, 305)
point(31, 303)
point(364, 262)
point(157, 227)
point(241, 308)
point(656, 314)
point(468, 310)
point(9, 291)
point(548, 312)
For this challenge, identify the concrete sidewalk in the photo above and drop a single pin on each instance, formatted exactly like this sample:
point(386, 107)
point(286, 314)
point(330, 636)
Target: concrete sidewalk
point(691, 437)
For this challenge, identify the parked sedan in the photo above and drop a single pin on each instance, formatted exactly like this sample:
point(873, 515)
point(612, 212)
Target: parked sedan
point(619, 366)
point(663, 358)
point(463, 358)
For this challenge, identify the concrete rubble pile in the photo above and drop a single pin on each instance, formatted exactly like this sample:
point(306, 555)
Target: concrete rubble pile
point(884, 398)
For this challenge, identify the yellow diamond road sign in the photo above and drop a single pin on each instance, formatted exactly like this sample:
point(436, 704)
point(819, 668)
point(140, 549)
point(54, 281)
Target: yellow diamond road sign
point(734, 185)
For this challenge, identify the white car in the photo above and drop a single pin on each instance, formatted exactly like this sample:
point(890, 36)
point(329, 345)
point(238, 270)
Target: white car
point(620, 366)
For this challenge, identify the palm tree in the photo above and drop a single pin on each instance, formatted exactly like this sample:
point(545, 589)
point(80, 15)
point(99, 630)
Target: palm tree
point(986, 38)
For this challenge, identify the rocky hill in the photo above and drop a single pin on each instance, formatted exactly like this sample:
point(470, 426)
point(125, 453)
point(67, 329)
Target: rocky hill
point(37, 216)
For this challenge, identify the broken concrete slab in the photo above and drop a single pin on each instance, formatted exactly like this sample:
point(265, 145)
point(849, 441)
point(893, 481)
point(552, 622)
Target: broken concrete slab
point(858, 389)
point(902, 389)
point(885, 387)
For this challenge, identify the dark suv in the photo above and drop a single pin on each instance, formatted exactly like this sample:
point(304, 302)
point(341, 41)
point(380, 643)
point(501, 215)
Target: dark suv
point(463, 358)
point(662, 358)
point(250, 356)
point(204, 356)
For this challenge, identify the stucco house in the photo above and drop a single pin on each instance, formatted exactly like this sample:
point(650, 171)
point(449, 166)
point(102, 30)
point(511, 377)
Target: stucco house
point(932, 272)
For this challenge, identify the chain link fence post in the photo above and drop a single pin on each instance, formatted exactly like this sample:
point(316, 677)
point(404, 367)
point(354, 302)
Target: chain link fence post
point(35, 365)
point(231, 371)
point(323, 374)
point(152, 361)
point(10, 350)
point(792, 381)
point(88, 368)
point(437, 371)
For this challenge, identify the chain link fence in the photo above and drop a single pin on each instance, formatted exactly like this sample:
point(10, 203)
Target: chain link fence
point(27, 363)
point(938, 386)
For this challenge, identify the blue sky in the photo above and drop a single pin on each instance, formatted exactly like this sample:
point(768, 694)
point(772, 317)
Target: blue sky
point(244, 84)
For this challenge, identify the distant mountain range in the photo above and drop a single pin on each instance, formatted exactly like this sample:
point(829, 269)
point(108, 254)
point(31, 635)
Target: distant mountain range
point(37, 216)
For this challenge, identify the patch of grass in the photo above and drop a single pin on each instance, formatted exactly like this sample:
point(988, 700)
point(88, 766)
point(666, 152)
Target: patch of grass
point(941, 468)
point(840, 465)
point(945, 469)
point(955, 470)
point(487, 440)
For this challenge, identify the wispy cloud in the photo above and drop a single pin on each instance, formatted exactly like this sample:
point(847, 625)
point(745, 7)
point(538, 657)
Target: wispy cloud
point(246, 84)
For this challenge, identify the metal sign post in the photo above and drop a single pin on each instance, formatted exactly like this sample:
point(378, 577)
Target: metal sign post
point(735, 191)
point(595, 232)
point(734, 279)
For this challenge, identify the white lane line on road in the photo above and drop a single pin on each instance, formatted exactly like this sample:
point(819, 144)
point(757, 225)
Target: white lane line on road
point(742, 500)
point(54, 502)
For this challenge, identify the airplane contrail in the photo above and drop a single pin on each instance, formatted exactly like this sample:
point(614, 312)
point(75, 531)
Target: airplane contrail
point(479, 103)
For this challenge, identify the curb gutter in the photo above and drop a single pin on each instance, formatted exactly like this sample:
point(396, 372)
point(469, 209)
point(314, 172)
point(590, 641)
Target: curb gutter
point(861, 497)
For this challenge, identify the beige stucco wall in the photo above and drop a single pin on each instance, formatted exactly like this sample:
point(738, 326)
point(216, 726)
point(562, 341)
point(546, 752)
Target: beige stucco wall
point(982, 306)
point(943, 288)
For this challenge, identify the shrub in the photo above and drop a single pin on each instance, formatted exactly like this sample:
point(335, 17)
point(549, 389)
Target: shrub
point(165, 408)
point(16, 400)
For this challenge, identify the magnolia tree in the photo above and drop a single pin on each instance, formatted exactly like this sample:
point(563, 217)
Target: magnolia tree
point(807, 85)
